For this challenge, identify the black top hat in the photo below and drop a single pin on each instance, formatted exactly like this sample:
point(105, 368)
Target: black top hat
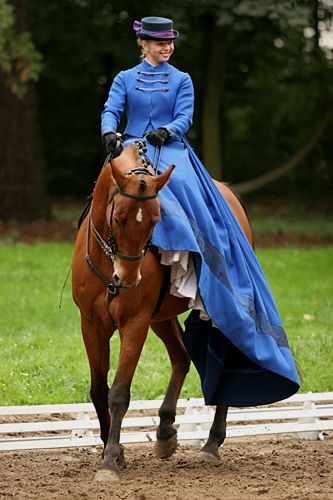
point(155, 28)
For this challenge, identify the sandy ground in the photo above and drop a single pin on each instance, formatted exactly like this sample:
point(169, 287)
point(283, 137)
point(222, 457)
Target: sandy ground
point(274, 469)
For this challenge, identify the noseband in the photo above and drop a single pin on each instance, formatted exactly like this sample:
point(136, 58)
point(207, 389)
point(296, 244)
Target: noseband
point(109, 247)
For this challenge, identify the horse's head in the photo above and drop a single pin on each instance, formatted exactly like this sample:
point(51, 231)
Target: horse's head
point(132, 212)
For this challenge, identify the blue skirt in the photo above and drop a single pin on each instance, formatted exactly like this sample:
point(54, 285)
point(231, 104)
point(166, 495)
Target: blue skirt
point(246, 360)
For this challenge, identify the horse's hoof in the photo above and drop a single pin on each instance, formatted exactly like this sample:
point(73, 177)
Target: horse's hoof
point(107, 475)
point(209, 457)
point(121, 462)
point(164, 448)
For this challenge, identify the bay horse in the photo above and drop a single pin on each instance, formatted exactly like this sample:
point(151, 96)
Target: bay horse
point(117, 283)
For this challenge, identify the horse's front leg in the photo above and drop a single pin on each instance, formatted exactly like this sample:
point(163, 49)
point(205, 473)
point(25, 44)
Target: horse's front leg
point(170, 333)
point(96, 341)
point(132, 336)
point(217, 433)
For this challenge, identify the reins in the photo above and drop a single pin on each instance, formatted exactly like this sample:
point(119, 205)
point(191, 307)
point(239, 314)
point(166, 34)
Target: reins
point(111, 287)
point(157, 158)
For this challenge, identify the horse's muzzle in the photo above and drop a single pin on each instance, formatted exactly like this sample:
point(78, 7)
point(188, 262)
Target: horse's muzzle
point(120, 283)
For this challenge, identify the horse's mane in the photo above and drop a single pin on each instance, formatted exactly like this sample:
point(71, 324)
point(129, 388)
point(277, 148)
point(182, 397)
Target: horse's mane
point(133, 152)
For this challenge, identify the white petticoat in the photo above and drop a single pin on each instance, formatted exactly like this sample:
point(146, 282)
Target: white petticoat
point(183, 280)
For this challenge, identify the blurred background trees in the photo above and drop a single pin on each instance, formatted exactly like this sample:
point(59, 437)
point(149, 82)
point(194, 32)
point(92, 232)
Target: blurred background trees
point(23, 191)
point(262, 72)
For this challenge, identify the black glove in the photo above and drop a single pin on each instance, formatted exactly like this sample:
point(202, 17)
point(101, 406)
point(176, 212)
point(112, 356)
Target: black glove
point(110, 141)
point(158, 137)
point(113, 144)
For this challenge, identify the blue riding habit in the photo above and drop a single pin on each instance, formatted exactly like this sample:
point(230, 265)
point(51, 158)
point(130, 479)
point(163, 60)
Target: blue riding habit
point(241, 353)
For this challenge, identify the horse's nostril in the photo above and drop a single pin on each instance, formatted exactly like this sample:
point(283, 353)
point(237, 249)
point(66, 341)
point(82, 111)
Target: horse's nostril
point(116, 279)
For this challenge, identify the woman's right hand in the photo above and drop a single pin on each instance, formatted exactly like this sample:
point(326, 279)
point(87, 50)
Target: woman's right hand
point(113, 143)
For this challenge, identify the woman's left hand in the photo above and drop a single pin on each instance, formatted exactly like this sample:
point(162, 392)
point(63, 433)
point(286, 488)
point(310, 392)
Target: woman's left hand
point(158, 137)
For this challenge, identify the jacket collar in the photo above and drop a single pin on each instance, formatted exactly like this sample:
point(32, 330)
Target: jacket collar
point(146, 66)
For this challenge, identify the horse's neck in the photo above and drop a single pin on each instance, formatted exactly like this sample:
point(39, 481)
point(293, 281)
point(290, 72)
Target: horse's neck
point(102, 186)
point(105, 185)
point(100, 199)
point(128, 159)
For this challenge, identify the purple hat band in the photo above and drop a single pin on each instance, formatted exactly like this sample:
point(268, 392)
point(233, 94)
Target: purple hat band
point(137, 26)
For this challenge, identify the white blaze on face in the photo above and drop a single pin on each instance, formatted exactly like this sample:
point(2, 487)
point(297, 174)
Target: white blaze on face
point(139, 216)
point(116, 266)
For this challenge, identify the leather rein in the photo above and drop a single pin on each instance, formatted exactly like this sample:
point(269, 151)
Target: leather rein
point(110, 247)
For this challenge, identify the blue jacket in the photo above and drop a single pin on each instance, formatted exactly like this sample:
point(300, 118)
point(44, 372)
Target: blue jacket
point(160, 96)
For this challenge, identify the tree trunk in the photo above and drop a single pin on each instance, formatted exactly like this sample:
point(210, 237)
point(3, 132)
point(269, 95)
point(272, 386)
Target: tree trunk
point(22, 179)
point(211, 121)
point(315, 22)
point(296, 160)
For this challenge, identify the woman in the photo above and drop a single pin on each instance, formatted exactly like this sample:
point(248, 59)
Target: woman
point(211, 261)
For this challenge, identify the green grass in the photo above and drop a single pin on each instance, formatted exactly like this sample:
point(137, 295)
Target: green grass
point(42, 354)
point(302, 284)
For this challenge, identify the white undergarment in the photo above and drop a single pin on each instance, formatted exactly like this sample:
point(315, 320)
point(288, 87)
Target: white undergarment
point(183, 280)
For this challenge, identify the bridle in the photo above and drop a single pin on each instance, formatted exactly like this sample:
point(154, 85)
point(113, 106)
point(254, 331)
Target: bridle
point(111, 239)
point(110, 247)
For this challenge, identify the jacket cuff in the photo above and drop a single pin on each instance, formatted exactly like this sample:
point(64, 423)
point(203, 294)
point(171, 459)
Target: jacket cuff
point(172, 135)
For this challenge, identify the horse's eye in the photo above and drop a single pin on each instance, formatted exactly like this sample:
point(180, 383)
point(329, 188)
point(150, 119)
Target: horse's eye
point(116, 221)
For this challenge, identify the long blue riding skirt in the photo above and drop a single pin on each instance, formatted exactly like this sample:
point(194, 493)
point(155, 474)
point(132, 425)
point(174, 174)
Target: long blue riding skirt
point(242, 353)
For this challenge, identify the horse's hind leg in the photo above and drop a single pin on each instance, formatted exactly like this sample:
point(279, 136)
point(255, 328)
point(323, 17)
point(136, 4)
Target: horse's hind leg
point(98, 350)
point(169, 332)
point(217, 435)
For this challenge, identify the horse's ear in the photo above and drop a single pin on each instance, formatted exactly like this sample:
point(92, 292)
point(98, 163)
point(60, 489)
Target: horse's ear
point(117, 176)
point(162, 179)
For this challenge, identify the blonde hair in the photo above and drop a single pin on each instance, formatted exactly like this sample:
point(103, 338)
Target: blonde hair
point(143, 51)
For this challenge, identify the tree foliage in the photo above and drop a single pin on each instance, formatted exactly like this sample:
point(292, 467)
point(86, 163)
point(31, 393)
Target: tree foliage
point(262, 80)
point(20, 62)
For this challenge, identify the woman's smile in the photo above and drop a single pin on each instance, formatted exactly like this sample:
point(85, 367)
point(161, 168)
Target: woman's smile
point(158, 51)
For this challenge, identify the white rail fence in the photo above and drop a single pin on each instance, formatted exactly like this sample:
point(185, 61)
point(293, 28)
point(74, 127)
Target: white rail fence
point(308, 416)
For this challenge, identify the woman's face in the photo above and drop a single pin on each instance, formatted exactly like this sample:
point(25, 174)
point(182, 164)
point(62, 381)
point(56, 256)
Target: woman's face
point(158, 52)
